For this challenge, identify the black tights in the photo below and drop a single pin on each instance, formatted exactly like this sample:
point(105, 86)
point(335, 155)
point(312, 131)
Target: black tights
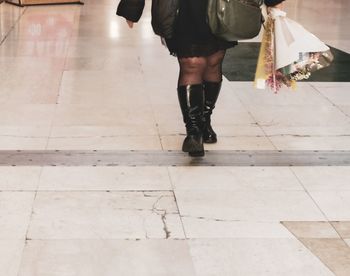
point(195, 70)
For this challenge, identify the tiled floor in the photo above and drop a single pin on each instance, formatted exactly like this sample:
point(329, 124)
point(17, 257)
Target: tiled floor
point(76, 78)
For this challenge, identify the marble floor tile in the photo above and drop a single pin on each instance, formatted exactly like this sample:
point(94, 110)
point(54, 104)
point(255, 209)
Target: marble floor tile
point(105, 215)
point(26, 80)
point(101, 87)
point(104, 178)
point(10, 256)
point(106, 258)
point(295, 115)
point(15, 212)
point(251, 257)
point(26, 115)
point(334, 253)
point(234, 178)
point(19, 178)
point(311, 143)
point(343, 228)
point(312, 229)
point(203, 228)
point(324, 178)
point(334, 204)
point(305, 95)
point(101, 115)
point(334, 93)
point(247, 206)
point(126, 142)
point(23, 137)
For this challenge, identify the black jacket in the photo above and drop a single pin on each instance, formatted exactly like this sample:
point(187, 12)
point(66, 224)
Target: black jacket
point(131, 9)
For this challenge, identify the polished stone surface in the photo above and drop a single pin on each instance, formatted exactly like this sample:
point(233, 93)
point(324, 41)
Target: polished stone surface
point(77, 78)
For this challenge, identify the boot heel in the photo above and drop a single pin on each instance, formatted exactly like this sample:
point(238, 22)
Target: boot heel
point(193, 145)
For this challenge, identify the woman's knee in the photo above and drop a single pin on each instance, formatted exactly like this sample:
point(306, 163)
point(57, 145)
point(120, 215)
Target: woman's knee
point(193, 64)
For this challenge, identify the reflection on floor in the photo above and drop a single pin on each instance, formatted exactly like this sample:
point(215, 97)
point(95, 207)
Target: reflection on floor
point(77, 79)
point(240, 65)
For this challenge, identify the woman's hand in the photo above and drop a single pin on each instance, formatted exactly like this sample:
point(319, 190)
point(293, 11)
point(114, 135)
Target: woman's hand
point(130, 24)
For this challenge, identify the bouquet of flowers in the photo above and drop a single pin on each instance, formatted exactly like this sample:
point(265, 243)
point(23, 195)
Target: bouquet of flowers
point(288, 53)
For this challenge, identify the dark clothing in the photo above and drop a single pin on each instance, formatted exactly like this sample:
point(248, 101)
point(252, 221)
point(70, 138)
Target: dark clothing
point(271, 3)
point(192, 36)
point(192, 33)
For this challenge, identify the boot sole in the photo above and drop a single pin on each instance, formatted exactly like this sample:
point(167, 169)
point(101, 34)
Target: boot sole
point(193, 147)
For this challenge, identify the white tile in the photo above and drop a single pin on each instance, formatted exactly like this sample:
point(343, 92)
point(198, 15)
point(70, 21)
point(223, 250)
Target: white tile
point(201, 228)
point(247, 206)
point(104, 178)
point(301, 116)
point(311, 143)
point(10, 256)
point(250, 257)
point(19, 178)
point(105, 215)
point(324, 178)
point(334, 204)
point(105, 143)
point(23, 137)
point(15, 211)
point(101, 115)
point(29, 115)
point(80, 258)
point(234, 178)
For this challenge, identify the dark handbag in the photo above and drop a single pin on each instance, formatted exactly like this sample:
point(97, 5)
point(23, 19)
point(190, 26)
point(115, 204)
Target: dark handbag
point(164, 14)
point(233, 20)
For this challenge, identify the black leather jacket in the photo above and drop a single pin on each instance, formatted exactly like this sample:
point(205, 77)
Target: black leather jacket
point(131, 9)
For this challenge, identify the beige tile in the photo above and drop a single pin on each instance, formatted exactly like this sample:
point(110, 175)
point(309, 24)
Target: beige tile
point(311, 143)
point(105, 143)
point(233, 178)
point(26, 80)
point(247, 206)
point(311, 229)
point(334, 204)
point(343, 228)
point(28, 115)
point(251, 257)
point(115, 257)
point(102, 87)
point(19, 178)
point(334, 253)
point(207, 228)
point(105, 215)
point(104, 178)
point(10, 256)
point(23, 137)
point(324, 178)
point(101, 115)
point(15, 211)
point(295, 115)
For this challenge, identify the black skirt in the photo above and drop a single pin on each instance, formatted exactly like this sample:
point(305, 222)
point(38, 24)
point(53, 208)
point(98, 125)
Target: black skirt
point(192, 36)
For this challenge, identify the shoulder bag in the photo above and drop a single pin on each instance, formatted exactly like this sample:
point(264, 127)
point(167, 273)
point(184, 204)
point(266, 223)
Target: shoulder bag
point(233, 20)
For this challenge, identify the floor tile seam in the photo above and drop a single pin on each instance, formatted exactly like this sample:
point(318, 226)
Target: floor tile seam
point(252, 117)
point(309, 250)
point(315, 202)
point(331, 102)
point(177, 203)
point(151, 104)
point(29, 223)
point(13, 26)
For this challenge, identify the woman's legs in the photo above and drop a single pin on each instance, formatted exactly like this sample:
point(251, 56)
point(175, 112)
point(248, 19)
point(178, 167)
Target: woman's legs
point(212, 84)
point(191, 98)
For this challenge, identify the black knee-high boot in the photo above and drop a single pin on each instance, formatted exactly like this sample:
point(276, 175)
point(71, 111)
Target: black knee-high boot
point(191, 98)
point(211, 94)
